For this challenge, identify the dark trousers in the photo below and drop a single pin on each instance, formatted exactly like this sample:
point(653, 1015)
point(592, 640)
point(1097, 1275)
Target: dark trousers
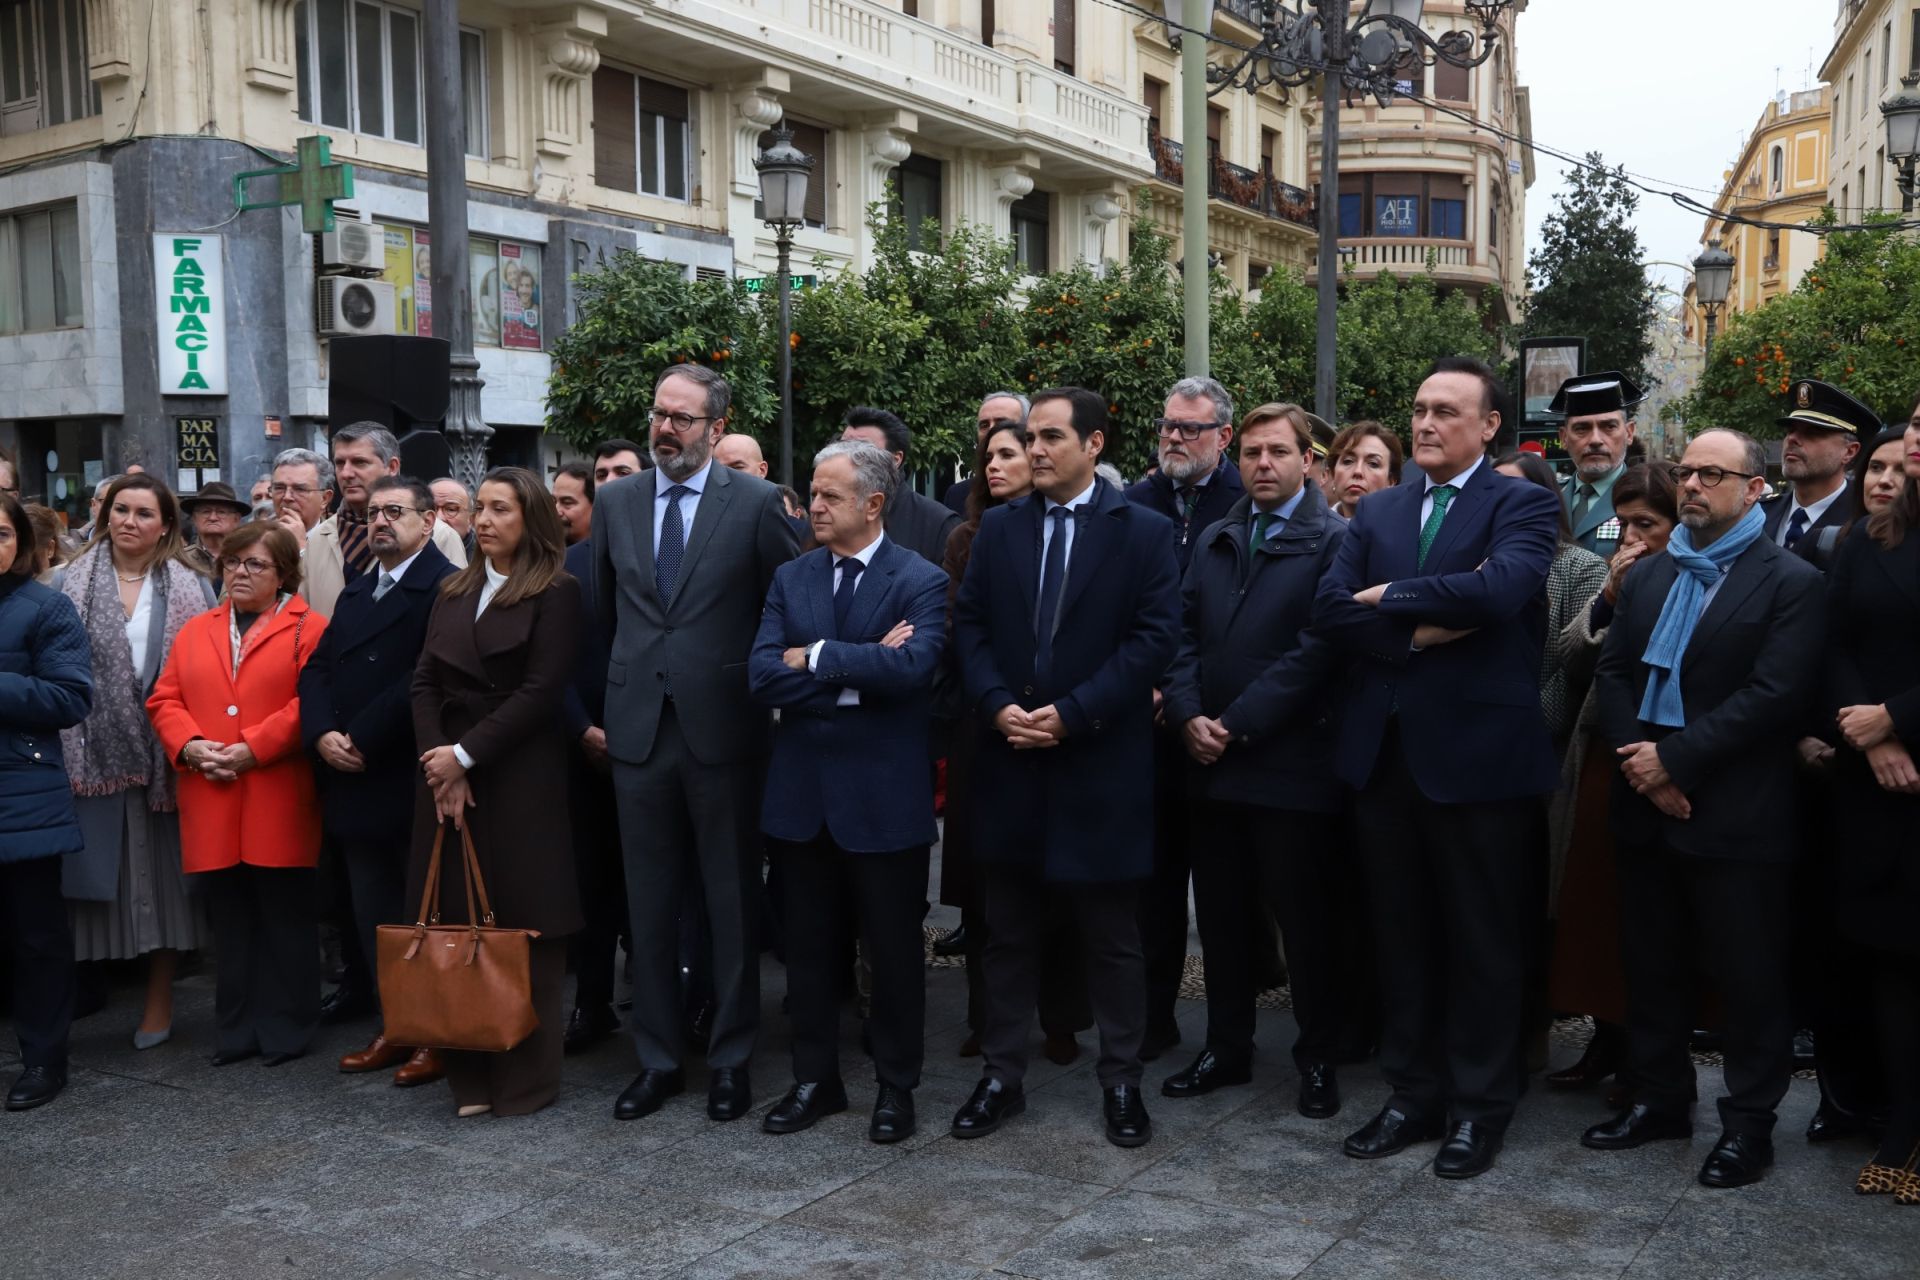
point(1062, 999)
point(603, 889)
point(828, 893)
point(41, 947)
point(681, 822)
point(266, 992)
point(1828, 997)
point(1021, 911)
point(1451, 890)
point(1163, 898)
point(1726, 919)
point(1295, 863)
point(377, 875)
point(1894, 991)
point(526, 1077)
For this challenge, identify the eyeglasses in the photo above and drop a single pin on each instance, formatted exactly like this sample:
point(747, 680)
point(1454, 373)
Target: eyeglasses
point(680, 421)
point(392, 512)
point(1166, 427)
point(1710, 477)
point(247, 566)
point(452, 508)
point(291, 490)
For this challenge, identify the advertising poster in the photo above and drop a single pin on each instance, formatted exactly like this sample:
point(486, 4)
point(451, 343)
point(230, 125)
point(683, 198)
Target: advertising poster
point(422, 285)
point(399, 274)
point(483, 275)
point(520, 296)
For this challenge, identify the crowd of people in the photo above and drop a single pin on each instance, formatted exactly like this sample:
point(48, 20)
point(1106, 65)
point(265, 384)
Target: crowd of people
point(1456, 746)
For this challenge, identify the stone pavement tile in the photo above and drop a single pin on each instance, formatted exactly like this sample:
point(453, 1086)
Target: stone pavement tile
point(950, 1208)
point(1361, 1260)
point(1139, 1237)
point(229, 1249)
point(784, 1251)
point(400, 1200)
point(766, 1174)
point(62, 1230)
point(943, 1061)
point(599, 1230)
point(1729, 1235)
point(90, 1133)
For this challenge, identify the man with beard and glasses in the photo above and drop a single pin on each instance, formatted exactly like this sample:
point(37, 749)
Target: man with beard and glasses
point(1823, 425)
point(1598, 429)
point(682, 558)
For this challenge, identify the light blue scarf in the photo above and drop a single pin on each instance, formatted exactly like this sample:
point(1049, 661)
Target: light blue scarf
point(1686, 601)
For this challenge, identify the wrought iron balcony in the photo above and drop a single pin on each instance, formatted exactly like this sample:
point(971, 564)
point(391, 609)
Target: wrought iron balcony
point(1245, 188)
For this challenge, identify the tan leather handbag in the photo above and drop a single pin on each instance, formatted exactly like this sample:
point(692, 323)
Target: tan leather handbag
point(456, 986)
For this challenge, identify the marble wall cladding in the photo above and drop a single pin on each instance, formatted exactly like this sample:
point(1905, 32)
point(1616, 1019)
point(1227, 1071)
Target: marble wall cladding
point(69, 373)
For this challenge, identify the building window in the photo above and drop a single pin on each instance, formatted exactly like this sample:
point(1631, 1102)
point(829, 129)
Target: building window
point(1397, 215)
point(1866, 82)
point(1913, 49)
point(1269, 151)
point(918, 199)
point(40, 270)
point(1155, 94)
point(1063, 36)
point(1451, 83)
point(1493, 222)
point(1448, 219)
point(43, 65)
point(360, 70)
point(1499, 81)
point(1032, 231)
point(911, 8)
point(1886, 58)
point(1847, 109)
point(986, 23)
point(1773, 251)
point(1777, 170)
point(1352, 214)
point(812, 139)
point(1216, 127)
point(1879, 178)
point(642, 135)
point(1257, 273)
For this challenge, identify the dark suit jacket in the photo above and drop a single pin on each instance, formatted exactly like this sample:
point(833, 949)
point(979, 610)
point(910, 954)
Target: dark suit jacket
point(1250, 658)
point(586, 704)
point(494, 685)
point(359, 682)
point(1469, 711)
point(1217, 497)
point(1821, 542)
point(921, 525)
point(1747, 678)
point(740, 535)
point(860, 771)
point(956, 498)
point(1082, 810)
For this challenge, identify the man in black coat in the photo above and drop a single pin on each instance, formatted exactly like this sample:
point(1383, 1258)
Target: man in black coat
point(1702, 687)
point(356, 718)
point(1824, 427)
point(914, 520)
point(1066, 620)
point(1194, 486)
point(1248, 695)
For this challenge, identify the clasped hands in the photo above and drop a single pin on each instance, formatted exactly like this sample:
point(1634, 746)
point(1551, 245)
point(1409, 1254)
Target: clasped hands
point(447, 779)
point(1426, 635)
point(217, 761)
point(1030, 730)
point(1869, 729)
point(796, 657)
point(1640, 763)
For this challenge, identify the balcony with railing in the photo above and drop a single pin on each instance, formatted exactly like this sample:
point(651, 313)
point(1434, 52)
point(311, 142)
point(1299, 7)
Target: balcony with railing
point(1232, 184)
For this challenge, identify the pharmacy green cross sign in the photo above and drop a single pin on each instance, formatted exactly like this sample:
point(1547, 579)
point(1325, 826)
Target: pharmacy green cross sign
point(314, 181)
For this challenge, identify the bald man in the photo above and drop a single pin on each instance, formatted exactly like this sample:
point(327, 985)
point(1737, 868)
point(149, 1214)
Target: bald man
point(742, 453)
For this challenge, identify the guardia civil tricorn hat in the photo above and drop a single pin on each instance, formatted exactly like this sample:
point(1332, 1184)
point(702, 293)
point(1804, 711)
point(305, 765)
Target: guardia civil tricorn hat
point(1826, 407)
point(1591, 393)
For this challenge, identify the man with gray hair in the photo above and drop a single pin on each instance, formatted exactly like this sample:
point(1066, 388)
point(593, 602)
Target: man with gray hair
point(848, 646)
point(302, 490)
point(999, 408)
point(338, 550)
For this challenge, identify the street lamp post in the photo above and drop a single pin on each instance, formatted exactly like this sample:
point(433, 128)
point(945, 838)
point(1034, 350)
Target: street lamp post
point(1304, 40)
point(1712, 280)
point(1902, 114)
point(784, 170)
point(465, 427)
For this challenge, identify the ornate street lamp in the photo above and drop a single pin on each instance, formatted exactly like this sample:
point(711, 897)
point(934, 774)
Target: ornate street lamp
point(1902, 114)
point(784, 170)
point(1306, 40)
point(1712, 280)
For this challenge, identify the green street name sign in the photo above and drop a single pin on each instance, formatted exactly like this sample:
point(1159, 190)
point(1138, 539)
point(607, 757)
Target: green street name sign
point(760, 284)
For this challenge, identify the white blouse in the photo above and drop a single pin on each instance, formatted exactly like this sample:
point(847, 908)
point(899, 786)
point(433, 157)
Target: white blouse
point(495, 581)
point(139, 622)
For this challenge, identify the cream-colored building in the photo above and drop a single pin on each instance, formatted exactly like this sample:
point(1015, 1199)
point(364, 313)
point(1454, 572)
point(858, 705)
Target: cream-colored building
point(1873, 50)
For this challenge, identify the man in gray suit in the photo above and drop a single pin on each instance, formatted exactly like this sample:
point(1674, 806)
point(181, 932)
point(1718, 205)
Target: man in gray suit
point(682, 557)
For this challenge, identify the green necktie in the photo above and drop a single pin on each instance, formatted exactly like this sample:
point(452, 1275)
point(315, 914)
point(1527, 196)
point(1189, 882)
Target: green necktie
point(1262, 522)
point(1442, 496)
point(1583, 504)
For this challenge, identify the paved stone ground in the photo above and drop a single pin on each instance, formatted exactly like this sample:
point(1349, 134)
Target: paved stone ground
point(158, 1165)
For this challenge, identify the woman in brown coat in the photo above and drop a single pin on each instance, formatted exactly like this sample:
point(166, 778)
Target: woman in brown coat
point(487, 720)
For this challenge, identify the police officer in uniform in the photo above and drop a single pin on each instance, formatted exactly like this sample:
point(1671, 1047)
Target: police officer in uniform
point(1598, 427)
point(1824, 427)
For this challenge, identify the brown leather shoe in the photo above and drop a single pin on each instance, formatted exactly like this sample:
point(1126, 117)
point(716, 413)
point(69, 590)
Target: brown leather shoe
point(377, 1056)
point(424, 1067)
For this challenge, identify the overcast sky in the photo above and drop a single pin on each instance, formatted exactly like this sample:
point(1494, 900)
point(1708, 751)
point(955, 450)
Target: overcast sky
point(1668, 88)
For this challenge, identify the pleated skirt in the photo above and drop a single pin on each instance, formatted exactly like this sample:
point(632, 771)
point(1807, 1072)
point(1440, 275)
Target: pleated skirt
point(152, 908)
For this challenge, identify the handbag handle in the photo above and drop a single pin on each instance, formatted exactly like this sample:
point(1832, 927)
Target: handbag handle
point(477, 914)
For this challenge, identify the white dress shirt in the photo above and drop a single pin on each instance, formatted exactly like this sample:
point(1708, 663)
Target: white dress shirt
point(689, 502)
point(1281, 515)
point(399, 571)
point(1814, 511)
point(848, 697)
point(1046, 527)
point(1458, 482)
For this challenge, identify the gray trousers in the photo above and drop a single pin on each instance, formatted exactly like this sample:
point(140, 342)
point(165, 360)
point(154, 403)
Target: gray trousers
point(679, 819)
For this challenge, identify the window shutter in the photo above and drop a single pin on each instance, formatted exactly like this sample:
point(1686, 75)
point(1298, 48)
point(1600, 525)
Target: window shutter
point(615, 156)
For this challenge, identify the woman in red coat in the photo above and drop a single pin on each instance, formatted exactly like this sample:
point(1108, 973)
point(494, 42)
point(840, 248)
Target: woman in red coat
point(227, 711)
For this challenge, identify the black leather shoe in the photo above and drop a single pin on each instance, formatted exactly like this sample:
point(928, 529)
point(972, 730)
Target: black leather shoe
point(951, 943)
point(1738, 1160)
point(1605, 1054)
point(1388, 1133)
point(992, 1104)
point(588, 1027)
point(1637, 1125)
point(1160, 1037)
point(227, 1057)
point(729, 1095)
point(892, 1115)
point(279, 1059)
point(1831, 1124)
point(1468, 1153)
point(649, 1090)
point(36, 1086)
point(1127, 1121)
point(1208, 1072)
point(345, 1004)
point(804, 1106)
point(1319, 1092)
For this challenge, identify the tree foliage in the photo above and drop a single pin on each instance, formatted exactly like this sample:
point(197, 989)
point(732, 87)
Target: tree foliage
point(1853, 320)
point(1586, 276)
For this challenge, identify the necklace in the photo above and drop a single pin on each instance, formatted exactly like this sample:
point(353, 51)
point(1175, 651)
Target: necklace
point(138, 577)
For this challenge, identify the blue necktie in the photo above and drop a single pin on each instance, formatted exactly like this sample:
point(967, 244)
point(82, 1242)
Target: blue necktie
point(849, 567)
point(672, 548)
point(1796, 525)
point(1051, 578)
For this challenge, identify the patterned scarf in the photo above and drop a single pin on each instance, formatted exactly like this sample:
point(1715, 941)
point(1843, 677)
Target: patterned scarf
point(356, 551)
point(115, 747)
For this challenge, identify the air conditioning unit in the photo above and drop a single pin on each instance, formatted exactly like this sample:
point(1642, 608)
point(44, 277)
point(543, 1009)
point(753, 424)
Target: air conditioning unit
point(359, 245)
point(348, 306)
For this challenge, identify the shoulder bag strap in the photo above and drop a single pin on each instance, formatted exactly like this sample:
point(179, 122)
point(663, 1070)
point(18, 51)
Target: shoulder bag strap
point(430, 893)
point(476, 884)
